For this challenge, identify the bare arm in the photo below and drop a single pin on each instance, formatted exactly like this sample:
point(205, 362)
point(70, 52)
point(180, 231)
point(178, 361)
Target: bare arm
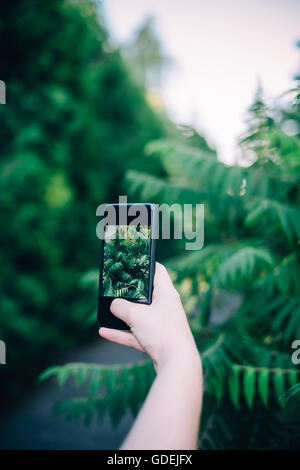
point(169, 418)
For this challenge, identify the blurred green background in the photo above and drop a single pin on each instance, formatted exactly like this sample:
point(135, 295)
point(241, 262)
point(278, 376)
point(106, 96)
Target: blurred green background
point(73, 124)
point(82, 127)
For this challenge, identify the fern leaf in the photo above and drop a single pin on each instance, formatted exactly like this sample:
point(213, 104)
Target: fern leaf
point(97, 379)
point(279, 385)
point(292, 391)
point(267, 211)
point(112, 388)
point(234, 386)
point(249, 385)
point(263, 385)
point(242, 264)
point(293, 378)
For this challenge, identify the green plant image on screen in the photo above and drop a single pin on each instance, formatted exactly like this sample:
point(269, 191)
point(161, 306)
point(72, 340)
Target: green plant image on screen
point(126, 261)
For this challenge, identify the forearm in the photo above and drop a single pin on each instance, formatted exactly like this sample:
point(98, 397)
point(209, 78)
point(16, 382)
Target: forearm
point(169, 418)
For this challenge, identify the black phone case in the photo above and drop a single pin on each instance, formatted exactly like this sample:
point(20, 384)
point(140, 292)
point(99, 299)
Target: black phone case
point(105, 317)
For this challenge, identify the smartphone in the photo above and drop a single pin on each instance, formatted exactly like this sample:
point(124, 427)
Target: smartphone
point(127, 258)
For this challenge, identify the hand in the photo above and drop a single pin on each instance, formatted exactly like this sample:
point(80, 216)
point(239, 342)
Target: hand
point(160, 329)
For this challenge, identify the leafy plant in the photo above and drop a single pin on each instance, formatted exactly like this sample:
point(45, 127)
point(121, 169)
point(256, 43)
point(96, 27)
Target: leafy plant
point(252, 235)
point(126, 262)
point(73, 113)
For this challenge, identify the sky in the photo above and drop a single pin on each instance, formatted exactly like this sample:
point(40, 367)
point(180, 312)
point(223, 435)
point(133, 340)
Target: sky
point(221, 49)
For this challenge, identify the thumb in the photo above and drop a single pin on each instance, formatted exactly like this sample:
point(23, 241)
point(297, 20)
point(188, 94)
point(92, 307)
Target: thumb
point(120, 308)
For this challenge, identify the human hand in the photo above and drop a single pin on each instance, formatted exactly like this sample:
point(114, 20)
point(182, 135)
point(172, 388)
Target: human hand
point(160, 329)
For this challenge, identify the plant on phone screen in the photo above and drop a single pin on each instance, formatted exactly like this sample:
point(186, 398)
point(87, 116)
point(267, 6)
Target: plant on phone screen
point(126, 263)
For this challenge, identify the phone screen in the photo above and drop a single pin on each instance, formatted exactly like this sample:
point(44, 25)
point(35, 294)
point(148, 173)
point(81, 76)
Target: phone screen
point(126, 261)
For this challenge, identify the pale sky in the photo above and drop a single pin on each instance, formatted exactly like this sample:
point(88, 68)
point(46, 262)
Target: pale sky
point(221, 48)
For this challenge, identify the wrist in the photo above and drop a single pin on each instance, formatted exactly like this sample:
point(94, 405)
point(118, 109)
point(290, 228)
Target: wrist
point(184, 360)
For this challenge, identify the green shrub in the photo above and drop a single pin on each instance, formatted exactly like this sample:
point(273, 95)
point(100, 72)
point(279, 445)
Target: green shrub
point(73, 122)
point(252, 233)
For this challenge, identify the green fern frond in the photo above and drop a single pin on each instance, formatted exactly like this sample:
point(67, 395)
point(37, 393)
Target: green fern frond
point(268, 211)
point(115, 388)
point(292, 392)
point(153, 188)
point(282, 314)
point(241, 380)
point(234, 385)
point(283, 278)
point(249, 385)
point(260, 382)
point(287, 319)
point(242, 266)
point(200, 170)
point(263, 384)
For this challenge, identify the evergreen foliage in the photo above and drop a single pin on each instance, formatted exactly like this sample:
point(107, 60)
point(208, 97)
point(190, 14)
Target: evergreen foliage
point(73, 122)
point(126, 263)
point(252, 235)
point(111, 389)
